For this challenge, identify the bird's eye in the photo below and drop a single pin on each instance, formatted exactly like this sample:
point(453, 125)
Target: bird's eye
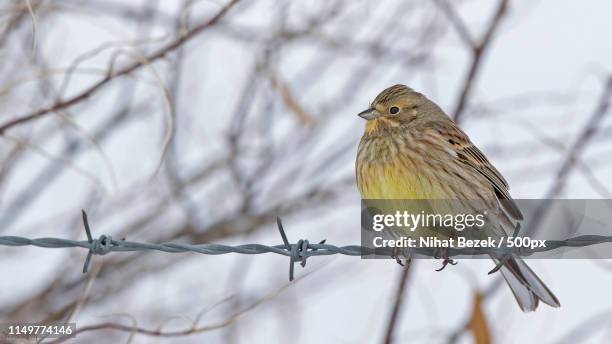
point(394, 110)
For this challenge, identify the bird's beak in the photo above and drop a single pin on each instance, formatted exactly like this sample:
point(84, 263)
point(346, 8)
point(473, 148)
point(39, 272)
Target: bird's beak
point(369, 114)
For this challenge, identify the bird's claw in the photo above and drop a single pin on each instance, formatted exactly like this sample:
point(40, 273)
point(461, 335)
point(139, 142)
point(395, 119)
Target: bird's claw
point(443, 254)
point(445, 262)
point(398, 260)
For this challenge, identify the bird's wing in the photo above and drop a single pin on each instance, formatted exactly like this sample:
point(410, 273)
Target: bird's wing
point(470, 155)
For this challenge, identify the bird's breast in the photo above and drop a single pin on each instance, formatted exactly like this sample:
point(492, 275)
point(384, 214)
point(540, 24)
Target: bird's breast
point(392, 168)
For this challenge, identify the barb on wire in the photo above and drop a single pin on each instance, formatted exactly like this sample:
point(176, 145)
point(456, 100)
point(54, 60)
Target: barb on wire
point(97, 246)
point(299, 251)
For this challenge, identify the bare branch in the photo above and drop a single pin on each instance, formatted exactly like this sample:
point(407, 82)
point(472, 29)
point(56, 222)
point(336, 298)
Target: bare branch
point(478, 51)
point(291, 102)
point(397, 305)
point(454, 18)
point(63, 104)
point(574, 152)
point(584, 138)
point(194, 329)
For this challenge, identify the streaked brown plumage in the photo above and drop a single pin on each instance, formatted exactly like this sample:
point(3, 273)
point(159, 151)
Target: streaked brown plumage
point(412, 150)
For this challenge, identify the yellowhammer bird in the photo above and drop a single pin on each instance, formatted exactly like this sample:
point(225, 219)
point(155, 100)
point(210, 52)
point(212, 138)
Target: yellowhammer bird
point(412, 150)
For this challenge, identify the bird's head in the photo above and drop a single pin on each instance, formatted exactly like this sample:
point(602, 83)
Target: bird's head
point(393, 107)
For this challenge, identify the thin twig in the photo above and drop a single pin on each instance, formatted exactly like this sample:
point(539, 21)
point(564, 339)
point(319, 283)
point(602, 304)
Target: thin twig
point(397, 305)
point(585, 136)
point(587, 133)
point(85, 94)
point(459, 25)
point(194, 329)
point(34, 27)
point(478, 50)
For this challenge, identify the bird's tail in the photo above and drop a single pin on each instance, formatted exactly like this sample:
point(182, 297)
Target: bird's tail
point(527, 287)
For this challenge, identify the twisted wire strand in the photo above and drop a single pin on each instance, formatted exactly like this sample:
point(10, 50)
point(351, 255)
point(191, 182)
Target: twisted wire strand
point(210, 249)
point(298, 252)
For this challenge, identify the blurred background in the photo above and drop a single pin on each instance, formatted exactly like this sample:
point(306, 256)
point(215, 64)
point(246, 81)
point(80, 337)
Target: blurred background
point(201, 121)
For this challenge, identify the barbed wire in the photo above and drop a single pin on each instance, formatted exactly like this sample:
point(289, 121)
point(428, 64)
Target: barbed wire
point(297, 252)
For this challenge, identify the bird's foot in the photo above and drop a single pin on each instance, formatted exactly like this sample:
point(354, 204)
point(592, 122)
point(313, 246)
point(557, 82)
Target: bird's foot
point(395, 255)
point(442, 253)
point(445, 262)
